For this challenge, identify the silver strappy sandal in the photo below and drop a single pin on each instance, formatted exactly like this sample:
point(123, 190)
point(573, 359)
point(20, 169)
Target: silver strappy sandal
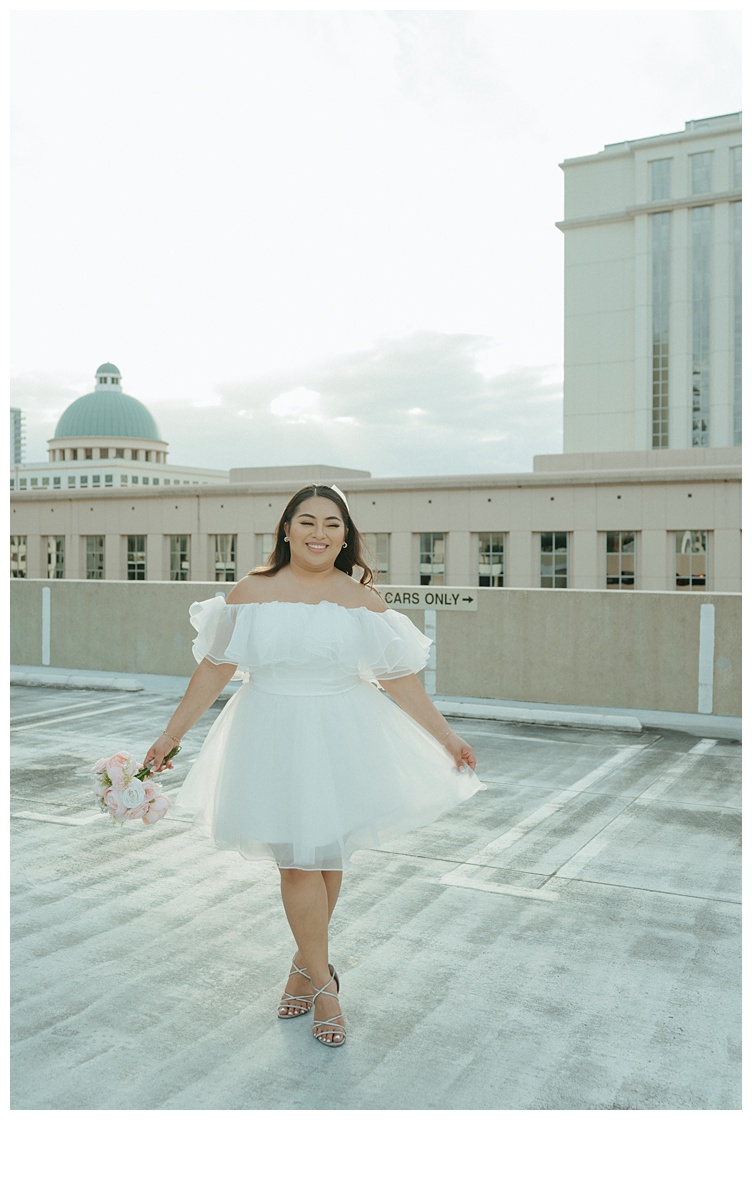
point(336, 1024)
point(303, 1003)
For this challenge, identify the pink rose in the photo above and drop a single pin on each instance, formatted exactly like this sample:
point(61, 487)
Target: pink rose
point(151, 790)
point(141, 811)
point(114, 807)
point(157, 810)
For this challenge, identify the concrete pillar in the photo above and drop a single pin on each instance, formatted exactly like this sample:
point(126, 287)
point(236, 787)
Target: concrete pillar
point(402, 569)
point(585, 569)
point(519, 565)
point(155, 567)
point(461, 566)
point(654, 558)
point(36, 556)
point(245, 554)
point(115, 553)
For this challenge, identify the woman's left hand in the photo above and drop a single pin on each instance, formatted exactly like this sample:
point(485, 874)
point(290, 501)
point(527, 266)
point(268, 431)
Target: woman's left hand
point(460, 751)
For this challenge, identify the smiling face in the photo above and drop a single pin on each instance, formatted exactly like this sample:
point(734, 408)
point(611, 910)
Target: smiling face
point(316, 532)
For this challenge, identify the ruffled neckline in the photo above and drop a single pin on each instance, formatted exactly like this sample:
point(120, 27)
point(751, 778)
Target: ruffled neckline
point(304, 604)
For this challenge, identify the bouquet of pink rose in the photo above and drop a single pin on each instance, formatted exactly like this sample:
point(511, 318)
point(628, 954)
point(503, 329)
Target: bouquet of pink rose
point(126, 790)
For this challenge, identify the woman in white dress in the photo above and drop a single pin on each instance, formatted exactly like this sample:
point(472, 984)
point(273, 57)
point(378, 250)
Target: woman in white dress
point(309, 761)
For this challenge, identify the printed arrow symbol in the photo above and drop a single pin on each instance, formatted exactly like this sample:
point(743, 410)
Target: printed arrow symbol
point(467, 599)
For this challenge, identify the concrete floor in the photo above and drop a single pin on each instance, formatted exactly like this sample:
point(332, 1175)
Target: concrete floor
point(567, 939)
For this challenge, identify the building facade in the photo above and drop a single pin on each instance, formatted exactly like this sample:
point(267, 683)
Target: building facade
point(652, 319)
point(648, 522)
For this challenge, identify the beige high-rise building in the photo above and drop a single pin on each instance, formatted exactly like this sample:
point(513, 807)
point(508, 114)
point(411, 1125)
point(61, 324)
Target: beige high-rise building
point(652, 317)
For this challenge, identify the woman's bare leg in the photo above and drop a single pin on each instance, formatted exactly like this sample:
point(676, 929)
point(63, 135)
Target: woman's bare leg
point(308, 902)
point(332, 883)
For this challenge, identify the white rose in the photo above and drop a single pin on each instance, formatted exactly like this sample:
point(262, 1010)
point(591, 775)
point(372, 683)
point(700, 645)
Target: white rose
point(133, 795)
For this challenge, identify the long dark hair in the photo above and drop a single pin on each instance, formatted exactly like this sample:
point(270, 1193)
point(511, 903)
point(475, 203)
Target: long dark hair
point(350, 556)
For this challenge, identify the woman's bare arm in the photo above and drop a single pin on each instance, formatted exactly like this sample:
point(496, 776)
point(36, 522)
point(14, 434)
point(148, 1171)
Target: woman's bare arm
point(409, 693)
point(207, 683)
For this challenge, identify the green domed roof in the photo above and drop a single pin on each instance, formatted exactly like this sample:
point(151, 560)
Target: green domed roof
point(107, 369)
point(107, 412)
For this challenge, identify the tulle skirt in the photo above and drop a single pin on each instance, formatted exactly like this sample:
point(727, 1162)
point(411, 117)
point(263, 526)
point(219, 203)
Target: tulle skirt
point(306, 780)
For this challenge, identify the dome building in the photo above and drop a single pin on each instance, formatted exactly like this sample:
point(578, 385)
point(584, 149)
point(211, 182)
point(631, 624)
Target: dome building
point(107, 415)
point(107, 438)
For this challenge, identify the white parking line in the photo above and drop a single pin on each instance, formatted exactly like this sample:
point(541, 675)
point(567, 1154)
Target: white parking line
point(83, 819)
point(79, 716)
point(458, 877)
point(61, 708)
point(572, 868)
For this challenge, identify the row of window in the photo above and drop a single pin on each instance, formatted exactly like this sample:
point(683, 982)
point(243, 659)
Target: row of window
point(43, 481)
point(690, 557)
point(72, 454)
point(700, 174)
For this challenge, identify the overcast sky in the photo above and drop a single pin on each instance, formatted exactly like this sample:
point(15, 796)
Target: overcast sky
point(324, 236)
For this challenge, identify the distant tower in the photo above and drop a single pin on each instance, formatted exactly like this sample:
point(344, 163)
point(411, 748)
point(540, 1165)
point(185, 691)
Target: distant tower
point(17, 439)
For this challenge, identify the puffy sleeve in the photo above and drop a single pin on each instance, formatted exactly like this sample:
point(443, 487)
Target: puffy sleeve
point(215, 621)
point(393, 647)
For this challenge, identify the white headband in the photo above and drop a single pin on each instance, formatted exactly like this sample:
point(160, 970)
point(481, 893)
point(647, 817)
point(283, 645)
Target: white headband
point(333, 487)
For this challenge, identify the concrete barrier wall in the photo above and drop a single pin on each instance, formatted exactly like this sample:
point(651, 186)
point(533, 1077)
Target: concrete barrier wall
point(612, 649)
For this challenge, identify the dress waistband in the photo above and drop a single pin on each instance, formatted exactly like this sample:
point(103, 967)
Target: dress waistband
point(303, 687)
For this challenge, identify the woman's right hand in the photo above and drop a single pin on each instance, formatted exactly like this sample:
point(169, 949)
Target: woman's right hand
point(154, 758)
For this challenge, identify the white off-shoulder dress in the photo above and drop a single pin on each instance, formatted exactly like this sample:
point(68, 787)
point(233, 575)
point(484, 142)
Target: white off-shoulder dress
point(309, 760)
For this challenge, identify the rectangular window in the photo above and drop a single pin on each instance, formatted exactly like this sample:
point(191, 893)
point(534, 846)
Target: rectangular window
point(660, 179)
point(123, 480)
point(691, 558)
point(701, 280)
point(18, 556)
point(56, 481)
point(155, 482)
point(224, 557)
point(35, 481)
point(736, 167)
point(661, 262)
point(136, 557)
point(701, 166)
point(104, 454)
point(71, 481)
point(491, 559)
point(45, 481)
point(145, 479)
point(95, 556)
point(134, 478)
point(84, 481)
point(74, 455)
point(620, 559)
point(180, 553)
point(736, 275)
point(267, 546)
point(554, 560)
point(378, 559)
point(22, 484)
point(108, 481)
point(88, 453)
point(55, 557)
point(120, 454)
point(12, 484)
point(96, 480)
point(432, 558)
